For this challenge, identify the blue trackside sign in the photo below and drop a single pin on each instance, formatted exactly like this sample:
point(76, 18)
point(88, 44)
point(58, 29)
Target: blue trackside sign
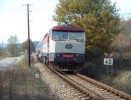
point(108, 61)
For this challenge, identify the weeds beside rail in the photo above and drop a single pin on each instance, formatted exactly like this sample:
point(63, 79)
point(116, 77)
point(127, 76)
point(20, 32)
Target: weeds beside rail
point(20, 84)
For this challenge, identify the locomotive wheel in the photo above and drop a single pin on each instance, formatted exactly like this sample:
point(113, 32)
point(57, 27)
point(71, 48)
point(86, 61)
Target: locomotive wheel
point(44, 60)
point(41, 58)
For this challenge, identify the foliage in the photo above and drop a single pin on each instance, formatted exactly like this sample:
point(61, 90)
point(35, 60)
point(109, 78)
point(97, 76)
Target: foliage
point(12, 46)
point(122, 41)
point(1, 51)
point(24, 46)
point(99, 18)
point(126, 26)
point(22, 61)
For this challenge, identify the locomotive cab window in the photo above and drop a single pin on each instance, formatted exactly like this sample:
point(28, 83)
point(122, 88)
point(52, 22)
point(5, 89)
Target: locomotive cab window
point(68, 36)
point(77, 36)
point(59, 35)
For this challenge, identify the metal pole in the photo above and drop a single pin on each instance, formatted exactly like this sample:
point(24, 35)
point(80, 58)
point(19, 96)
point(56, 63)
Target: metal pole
point(107, 71)
point(28, 34)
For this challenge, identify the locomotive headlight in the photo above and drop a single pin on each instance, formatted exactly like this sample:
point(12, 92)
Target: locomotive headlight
point(57, 55)
point(77, 55)
point(82, 56)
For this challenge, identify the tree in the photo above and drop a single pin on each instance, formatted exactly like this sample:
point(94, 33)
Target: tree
point(99, 18)
point(122, 41)
point(24, 46)
point(126, 25)
point(12, 46)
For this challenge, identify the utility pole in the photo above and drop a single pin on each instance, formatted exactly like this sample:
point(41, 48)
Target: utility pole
point(28, 24)
point(28, 33)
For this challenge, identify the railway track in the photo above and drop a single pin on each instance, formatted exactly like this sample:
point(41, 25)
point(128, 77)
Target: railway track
point(119, 94)
point(81, 92)
point(103, 92)
point(90, 89)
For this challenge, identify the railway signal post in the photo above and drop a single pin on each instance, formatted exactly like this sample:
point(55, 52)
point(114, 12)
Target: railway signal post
point(108, 62)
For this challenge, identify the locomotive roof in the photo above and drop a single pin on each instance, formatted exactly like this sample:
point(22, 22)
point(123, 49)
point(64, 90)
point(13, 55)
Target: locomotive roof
point(67, 27)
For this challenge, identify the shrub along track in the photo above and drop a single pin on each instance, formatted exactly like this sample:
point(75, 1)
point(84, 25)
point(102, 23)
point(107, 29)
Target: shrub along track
point(91, 89)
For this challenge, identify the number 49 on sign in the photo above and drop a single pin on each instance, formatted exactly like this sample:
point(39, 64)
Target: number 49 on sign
point(108, 61)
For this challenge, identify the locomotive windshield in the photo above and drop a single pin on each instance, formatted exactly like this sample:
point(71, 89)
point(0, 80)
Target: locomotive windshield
point(68, 36)
point(57, 35)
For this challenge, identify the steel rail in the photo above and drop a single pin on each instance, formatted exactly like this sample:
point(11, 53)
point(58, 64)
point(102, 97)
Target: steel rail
point(91, 95)
point(105, 87)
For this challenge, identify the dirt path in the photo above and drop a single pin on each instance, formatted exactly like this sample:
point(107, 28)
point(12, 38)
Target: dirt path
point(8, 63)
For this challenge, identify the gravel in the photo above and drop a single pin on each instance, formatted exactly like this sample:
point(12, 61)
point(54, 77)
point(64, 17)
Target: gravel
point(56, 85)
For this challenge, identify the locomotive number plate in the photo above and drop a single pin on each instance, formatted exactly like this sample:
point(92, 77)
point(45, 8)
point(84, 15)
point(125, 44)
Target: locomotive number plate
point(67, 55)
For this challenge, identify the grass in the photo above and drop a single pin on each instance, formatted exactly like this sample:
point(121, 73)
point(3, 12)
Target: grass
point(20, 84)
point(1, 57)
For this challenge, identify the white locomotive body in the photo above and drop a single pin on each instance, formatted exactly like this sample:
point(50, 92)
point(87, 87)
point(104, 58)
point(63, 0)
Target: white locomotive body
point(63, 48)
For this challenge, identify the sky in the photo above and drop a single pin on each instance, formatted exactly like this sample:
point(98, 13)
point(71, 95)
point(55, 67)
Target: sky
point(13, 17)
point(124, 7)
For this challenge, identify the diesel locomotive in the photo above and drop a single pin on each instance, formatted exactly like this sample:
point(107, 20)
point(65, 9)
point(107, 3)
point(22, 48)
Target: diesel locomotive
point(63, 48)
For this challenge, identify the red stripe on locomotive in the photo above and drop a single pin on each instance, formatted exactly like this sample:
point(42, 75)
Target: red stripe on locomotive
point(69, 28)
